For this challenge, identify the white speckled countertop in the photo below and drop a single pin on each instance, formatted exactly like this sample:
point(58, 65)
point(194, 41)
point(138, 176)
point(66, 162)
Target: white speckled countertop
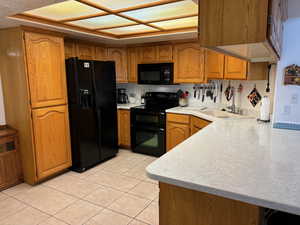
point(238, 159)
point(127, 106)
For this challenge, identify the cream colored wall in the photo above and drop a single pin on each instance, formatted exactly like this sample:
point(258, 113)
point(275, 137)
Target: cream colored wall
point(2, 113)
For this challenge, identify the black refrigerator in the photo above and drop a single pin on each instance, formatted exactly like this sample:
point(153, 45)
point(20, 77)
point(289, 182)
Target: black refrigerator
point(92, 111)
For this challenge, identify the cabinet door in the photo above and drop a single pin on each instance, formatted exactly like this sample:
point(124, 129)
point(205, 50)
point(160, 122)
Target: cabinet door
point(176, 133)
point(46, 69)
point(148, 54)
point(235, 68)
point(10, 169)
point(189, 63)
point(132, 57)
point(101, 53)
point(197, 124)
point(85, 51)
point(52, 140)
point(70, 49)
point(276, 25)
point(119, 55)
point(214, 64)
point(124, 128)
point(165, 53)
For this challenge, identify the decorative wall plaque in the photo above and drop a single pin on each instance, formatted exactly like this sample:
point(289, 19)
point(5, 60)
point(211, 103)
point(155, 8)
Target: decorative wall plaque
point(292, 75)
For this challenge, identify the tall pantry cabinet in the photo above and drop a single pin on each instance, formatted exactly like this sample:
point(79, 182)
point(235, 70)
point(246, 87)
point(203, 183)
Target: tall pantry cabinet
point(35, 97)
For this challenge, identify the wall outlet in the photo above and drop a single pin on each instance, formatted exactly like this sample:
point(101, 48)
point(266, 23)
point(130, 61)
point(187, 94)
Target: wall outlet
point(294, 99)
point(287, 110)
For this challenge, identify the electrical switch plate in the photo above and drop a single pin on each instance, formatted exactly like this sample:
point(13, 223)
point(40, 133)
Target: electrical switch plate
point(294, 99)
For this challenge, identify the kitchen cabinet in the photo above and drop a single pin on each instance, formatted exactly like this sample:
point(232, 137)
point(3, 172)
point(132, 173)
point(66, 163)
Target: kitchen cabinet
point(214, 64)
point(124, 138)
point(101, 53)
point(70, 49)
point(10, 164)
point(52, 140)
point(181, 126)
point(132, 57)
point(148, 54)
point(248, 29)
point(165, 53)
point(35, 93)
point(219, 66)
point(119, 55)
point(85, 51)
point(197, 124)
point(235, 68)
point(156, 54)
point(178, 205)
point(46, 69)
point(189, 63)
point(178, 129)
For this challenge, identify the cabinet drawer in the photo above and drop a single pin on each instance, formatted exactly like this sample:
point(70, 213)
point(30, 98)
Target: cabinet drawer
point(199, 123)
point(178, 118)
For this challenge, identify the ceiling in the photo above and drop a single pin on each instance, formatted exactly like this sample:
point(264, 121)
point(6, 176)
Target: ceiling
point(112, 21)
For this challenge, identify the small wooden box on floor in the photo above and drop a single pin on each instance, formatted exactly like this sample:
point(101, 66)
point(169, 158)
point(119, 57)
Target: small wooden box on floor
point(10, 164)
point(181, 206)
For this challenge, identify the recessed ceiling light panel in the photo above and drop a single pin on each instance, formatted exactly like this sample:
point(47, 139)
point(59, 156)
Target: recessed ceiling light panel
point(130, 30)
point(178, 23)
point(102, 22)
point(64, 10)
point(120, 4)
point(177, 9)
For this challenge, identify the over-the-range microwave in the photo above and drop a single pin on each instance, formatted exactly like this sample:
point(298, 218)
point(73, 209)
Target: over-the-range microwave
point(156, 73)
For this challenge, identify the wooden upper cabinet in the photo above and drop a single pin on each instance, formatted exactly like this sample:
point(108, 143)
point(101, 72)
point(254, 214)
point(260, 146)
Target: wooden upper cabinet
point(52, 140)
point(189, 63)
point(251, 29)
point(119, 55)
point(101, 53)
point(235, 68)
point(148, 54)
point(132, 56)
point(46, 69)
point(214, 64)
point(85, 51)
point(277, 17)
point(70, 49)
point(165, 53)
point(124, 128)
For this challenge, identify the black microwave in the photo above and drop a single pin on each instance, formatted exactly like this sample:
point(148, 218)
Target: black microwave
point(156, 73)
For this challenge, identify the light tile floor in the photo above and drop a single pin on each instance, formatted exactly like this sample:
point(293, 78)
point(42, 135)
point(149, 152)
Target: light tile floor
point(116, 192)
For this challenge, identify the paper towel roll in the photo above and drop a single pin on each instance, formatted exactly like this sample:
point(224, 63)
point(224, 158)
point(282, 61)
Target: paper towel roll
point(265, 109)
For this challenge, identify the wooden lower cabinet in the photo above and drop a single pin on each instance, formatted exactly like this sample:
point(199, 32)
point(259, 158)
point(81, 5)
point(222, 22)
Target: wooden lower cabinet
point(178, 206)
point(52, 140)
point(124, 138)
point(180, 127)
point(197, 124)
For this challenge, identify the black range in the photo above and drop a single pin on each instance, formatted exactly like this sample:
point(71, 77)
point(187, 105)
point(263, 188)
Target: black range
point(148, 123)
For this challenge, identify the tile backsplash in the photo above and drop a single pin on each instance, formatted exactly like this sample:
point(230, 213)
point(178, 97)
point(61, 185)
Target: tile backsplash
point(240, 99)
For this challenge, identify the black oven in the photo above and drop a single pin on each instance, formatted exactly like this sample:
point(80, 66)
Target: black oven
point(148, 123)
point(156, 73)
point(148, 132)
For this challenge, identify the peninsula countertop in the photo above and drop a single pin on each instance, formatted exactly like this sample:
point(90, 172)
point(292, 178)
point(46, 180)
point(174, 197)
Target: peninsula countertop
point(239, 159)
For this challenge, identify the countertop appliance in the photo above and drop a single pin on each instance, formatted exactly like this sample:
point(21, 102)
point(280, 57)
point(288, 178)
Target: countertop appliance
point(92, 111)
point(148, 123)
point(156, 73)
point(122, 96)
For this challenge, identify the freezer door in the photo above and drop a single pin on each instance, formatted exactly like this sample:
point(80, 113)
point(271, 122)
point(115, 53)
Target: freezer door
point(106, 107)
